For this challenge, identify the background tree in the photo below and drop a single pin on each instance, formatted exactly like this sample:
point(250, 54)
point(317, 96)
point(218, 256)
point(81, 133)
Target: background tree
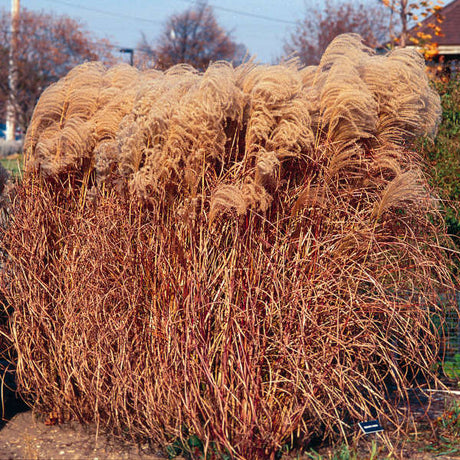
point(145, 56)
point(320, 26)
point(412, 13)
point(193, 37)
point(48, 47)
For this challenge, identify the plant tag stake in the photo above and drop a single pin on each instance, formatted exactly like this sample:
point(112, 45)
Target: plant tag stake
point(373, 426)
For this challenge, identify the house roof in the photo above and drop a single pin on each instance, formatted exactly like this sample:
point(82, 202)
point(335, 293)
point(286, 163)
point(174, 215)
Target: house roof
point(450, 27)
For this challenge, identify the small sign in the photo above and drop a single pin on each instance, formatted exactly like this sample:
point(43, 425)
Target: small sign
point(373, 426)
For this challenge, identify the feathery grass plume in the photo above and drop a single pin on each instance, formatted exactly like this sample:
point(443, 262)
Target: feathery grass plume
point(240, 197)
point(76, 113)
point(66, 106)
point(415, 110)
point(347, 106)
point(405, 187)
point(248, 255)
point(143, 137)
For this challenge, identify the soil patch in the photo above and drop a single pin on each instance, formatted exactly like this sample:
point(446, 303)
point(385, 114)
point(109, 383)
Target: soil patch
point(23, 436)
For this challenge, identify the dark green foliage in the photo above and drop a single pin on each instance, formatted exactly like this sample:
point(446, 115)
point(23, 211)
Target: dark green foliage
point(443, 155)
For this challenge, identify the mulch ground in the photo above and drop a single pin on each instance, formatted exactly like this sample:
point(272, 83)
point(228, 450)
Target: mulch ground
point(23, 436)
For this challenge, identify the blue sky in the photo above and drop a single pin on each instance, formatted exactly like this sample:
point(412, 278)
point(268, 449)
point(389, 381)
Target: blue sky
point(123, 21)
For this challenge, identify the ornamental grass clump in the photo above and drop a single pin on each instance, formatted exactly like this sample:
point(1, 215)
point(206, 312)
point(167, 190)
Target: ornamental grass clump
point(250, 256)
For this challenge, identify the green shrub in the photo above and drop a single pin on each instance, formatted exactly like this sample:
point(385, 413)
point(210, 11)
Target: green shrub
point(443, 155)
point(452, 367)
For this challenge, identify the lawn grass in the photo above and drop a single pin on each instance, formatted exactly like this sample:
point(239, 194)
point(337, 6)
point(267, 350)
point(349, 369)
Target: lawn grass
point(452, 367)
point(13, 163)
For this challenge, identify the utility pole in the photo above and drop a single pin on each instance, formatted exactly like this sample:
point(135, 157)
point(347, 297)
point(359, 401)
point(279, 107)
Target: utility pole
point(12, 73)
point(403, 14)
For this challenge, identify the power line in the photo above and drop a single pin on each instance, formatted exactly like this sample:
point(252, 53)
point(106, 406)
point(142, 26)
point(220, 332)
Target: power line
point(245, 13)
point(154, 21)
point(107, 13)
